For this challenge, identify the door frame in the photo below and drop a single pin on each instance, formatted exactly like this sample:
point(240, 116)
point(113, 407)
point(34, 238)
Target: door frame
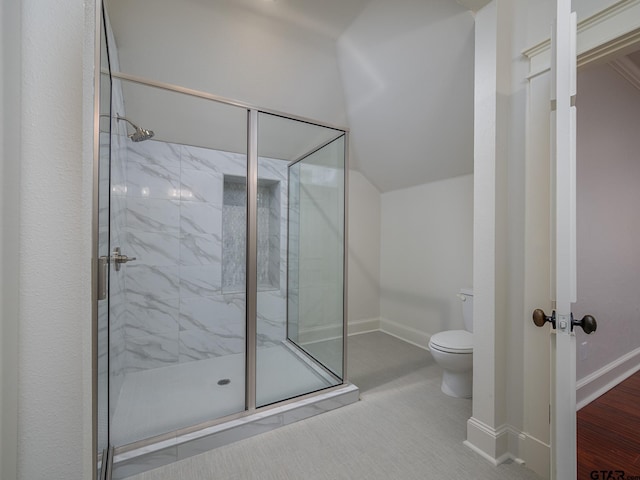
point(614, 30)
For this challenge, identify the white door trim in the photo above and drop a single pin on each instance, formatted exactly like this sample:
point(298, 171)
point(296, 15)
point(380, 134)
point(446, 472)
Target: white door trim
point(612, 30)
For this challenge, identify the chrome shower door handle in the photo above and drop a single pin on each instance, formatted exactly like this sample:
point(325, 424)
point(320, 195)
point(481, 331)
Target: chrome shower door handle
point(119, 259)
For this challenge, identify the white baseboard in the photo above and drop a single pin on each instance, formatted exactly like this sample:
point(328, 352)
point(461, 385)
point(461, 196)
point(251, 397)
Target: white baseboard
point(535, 454)
point(408, 334)
point(319, 334)
point(491, 443)
point(498, 445)
point(329, 332)
point(356, 327)
point(599, 382)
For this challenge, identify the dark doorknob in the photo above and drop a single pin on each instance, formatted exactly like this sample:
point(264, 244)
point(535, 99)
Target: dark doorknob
point(588, 323)
point(540, 318)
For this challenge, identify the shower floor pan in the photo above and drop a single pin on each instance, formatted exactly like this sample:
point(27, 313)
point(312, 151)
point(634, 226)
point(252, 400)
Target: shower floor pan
point(168, 399)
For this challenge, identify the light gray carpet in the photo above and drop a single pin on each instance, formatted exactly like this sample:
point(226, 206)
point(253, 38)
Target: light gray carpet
point(403, 428)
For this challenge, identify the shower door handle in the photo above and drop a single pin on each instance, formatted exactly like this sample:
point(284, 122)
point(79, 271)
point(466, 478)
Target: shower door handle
point(103, 270)
point(119, 259)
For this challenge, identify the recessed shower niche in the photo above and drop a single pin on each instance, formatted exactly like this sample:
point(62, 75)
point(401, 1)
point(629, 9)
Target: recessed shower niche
point(234, 221)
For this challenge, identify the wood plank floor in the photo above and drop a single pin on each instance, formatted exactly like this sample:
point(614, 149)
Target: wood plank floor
point(609, 433)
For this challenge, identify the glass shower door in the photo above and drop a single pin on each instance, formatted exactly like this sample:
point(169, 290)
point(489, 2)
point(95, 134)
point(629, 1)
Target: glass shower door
point(316, 255)
point(299, 325)
point(177, 282)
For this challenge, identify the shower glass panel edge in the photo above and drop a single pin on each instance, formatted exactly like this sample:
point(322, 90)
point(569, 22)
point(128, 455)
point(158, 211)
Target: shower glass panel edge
point(100, 232)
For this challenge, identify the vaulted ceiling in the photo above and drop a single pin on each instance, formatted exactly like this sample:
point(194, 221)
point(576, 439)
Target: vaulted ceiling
point(398, 73)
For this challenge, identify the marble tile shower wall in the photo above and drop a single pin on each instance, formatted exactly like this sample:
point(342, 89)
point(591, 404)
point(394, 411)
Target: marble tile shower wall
point(167, 204)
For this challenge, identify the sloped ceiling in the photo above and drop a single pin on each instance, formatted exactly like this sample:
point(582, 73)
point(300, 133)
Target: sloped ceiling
point(407, 71)
point(403, 79)
point(328, 17)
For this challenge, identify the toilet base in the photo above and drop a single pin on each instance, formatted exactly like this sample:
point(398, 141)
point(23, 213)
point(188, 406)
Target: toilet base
point(457, 384)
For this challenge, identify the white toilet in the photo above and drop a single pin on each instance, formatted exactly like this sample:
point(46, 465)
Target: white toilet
point(453, 351)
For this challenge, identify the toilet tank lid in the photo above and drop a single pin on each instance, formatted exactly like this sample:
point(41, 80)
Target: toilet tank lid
point(467, 291)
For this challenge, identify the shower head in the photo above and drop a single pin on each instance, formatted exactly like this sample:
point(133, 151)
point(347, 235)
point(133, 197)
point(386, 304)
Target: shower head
point(140, 135)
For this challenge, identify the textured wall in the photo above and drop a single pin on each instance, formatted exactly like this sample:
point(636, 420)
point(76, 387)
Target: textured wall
point(55, 226)
point(9, 234)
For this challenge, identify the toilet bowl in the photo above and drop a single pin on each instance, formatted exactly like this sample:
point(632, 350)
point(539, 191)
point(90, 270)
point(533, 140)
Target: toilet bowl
point(453, 352)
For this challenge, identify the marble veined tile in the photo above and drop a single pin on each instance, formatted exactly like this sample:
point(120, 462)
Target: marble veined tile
point(200, 217)
point(200, 249)
point(199, 186)
point(118, 213)
point(153, 248)
point(270, 332)
point(200, 280)
point(153, 215)
point(271, 305)
point(199, 345)
point(211, 313)
point(151, 351)
point(118, 177)
point(203, 159)
point(146, 315)
point(153, 181)
point(155, 152)
point(155, 282)
point(272, 169)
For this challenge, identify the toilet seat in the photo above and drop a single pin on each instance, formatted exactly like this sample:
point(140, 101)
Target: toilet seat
point(453, 341)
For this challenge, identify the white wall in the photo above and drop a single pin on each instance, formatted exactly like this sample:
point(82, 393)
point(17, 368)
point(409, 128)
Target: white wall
point(425, 257)
point(364, 252)
point(9, 175)
point(232, 52)
point(50, 210)
point(608, 191)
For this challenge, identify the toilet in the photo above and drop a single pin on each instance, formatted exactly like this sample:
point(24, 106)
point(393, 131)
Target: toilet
point(453, 351)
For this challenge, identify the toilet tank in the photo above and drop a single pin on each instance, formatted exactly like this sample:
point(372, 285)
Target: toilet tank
point(466, 295)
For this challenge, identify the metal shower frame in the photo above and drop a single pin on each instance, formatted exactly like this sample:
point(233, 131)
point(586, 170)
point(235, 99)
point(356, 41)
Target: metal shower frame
point(251, 297)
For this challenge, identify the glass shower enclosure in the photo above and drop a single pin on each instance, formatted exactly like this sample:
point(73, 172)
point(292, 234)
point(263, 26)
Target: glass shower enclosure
point(220, 269)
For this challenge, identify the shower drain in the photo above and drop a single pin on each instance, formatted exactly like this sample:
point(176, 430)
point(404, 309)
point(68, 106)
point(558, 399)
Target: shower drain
point(224, 381)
